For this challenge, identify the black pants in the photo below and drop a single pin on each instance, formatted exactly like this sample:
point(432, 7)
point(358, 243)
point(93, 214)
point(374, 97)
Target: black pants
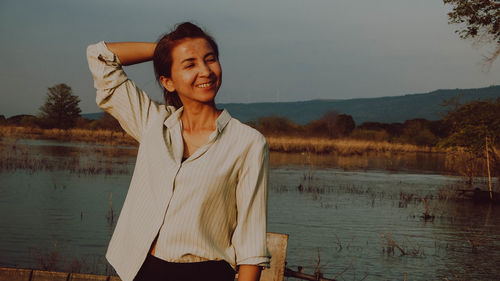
point(155, 269)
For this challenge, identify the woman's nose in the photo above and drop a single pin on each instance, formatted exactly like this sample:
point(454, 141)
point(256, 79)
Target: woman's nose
point(205, 70)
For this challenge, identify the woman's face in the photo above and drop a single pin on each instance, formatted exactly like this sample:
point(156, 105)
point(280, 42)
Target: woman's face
point(196, 73)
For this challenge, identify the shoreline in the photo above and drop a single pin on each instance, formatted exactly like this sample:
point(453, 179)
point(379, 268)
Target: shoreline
point(285, 144)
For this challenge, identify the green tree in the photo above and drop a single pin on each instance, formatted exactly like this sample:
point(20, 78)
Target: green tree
point(478, 20)
point(475, 127)
point(60, 109)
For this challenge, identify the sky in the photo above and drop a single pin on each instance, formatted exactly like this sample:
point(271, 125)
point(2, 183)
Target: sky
point(272, 50)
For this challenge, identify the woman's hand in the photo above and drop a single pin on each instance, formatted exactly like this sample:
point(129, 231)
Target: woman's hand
point(132, 52)
point(249, 272)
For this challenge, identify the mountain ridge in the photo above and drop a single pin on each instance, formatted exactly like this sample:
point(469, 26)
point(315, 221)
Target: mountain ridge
point(386, 109)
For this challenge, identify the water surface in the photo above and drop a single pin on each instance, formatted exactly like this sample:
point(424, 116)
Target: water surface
point(344, 215)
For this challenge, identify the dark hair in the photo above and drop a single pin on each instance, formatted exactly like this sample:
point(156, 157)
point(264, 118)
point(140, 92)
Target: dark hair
point(162, 57)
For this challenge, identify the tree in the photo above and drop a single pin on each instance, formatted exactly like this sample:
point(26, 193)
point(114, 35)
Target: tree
point(475, 127)
point(108, 122)
point(479, 20)
point(331, 125)
point(417, 131)
point(345, 124)
point(60, 109)
point(276, 125)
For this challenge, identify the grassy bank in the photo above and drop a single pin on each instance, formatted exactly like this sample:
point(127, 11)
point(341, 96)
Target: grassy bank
point(70, 135)
point(344, 147)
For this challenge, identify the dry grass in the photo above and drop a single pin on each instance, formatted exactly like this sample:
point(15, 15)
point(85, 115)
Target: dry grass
point(466, 164)
point(88, 161)
point(70, 135)
point(55, 259)
point(411, 249)
point(344, 147)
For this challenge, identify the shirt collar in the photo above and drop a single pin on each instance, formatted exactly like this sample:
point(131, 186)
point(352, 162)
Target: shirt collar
point(220, 123)
point(174, 118)
point(222, 120)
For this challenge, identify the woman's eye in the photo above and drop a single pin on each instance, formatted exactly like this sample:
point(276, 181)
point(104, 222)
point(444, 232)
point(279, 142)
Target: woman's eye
point(212, 59)
point(188, 65)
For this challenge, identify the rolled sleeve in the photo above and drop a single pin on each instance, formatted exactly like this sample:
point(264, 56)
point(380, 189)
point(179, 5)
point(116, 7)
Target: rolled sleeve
point(249, 237)
point(118, 95)
point(105, 67)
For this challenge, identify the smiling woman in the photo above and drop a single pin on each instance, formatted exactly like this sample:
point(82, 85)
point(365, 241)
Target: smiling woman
point(196, 72)
point(196, 206)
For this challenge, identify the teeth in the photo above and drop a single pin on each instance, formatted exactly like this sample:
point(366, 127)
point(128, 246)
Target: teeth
point(205, 85)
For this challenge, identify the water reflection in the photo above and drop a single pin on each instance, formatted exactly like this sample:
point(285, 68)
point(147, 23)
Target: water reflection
point(35, 155)
point(344, 208)
point(408, 162)
point(38, 154)
point(470, 236)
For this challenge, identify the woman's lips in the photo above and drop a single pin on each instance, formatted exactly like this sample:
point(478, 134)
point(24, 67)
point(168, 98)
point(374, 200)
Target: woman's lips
point(206, 84)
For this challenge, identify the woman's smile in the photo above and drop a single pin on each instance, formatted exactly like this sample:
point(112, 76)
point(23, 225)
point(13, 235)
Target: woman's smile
point(206, 85)
point(196, 71)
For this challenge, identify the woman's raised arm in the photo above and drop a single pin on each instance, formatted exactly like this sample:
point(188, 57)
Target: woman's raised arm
point(117, 94)
point(132, 52)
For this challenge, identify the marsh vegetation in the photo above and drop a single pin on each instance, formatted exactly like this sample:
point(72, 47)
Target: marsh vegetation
point(366, 219)
point(376, 208)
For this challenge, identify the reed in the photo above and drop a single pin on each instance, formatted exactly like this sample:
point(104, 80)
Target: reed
point(467, 164)
point(343, 147)
point(56, 259)
point(14, 156)
point(71, 135)
point(412, 249)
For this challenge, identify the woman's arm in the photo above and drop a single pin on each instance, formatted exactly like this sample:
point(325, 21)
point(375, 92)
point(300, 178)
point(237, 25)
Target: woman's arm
point(132, 52)
point(249, 272)
point(249, 237)
point(117, 94)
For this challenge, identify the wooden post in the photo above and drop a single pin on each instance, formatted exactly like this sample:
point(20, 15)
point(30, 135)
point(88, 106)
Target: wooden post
point(276, 245)
point(111, 206)
point(488, 165)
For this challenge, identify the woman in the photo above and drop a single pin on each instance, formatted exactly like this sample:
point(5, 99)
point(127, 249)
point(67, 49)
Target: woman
point(196, 206)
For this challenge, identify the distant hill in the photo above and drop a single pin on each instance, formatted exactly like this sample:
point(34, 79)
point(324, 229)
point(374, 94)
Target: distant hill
point(93, 116)
point(383, 109)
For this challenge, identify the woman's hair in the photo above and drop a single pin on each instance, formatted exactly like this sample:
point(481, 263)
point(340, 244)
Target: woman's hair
point(162, 57)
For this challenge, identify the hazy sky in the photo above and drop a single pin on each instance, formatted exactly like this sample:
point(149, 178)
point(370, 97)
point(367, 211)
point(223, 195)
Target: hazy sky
point(270, 50)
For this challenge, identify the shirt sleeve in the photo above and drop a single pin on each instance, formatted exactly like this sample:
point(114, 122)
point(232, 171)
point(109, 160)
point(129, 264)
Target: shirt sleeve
point(118, 95)
point(249, 237)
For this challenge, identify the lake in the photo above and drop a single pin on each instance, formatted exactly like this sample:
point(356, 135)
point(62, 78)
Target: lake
point(351, 218)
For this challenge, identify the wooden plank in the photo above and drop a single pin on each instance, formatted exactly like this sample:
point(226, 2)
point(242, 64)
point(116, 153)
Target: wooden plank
point(18, 274)
point(87, 277)
point(39, 275)
point(276, 245)
point(14, 274)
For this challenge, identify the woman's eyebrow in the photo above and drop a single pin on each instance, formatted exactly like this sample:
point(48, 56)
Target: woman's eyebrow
point(188, 59)
point(193, 59)
point(210, 54)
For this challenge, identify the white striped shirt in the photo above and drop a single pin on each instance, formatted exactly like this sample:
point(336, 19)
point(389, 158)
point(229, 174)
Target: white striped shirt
point(212, 206)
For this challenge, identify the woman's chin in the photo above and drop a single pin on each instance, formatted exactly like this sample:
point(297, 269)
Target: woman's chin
point(207, 96)
point(205, 99)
